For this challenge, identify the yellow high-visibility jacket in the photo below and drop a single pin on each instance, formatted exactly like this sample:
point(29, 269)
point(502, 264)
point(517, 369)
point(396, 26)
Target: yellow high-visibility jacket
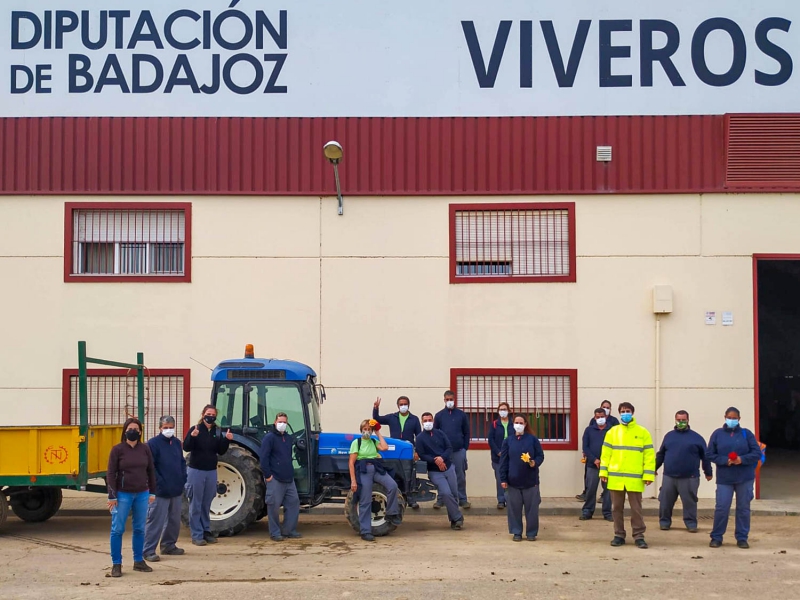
point(628, 458)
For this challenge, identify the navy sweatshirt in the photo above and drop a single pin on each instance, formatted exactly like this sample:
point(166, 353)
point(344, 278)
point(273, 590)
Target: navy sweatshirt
point(742, 441)
point(681, 453)
point(496, 436)
point(409, 432)
point(170, 465)
point(513, 470)
point(276, 456)
point(455, 424)
point(592, 447)
point(205, 447)
point(431, 444)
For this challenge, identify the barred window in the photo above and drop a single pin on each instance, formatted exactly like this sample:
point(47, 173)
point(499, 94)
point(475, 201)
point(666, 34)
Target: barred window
point(547, 399)
point(512, 242)
point(112, 397)
point(125, 241)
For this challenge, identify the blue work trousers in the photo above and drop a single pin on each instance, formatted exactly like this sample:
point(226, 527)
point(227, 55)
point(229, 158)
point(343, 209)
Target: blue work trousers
point(744, 495)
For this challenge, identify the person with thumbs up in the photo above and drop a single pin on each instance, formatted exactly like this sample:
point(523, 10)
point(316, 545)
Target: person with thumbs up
point(204, 443)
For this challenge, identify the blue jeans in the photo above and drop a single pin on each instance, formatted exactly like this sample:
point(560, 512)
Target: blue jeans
point(128, 503)
point(744, 494)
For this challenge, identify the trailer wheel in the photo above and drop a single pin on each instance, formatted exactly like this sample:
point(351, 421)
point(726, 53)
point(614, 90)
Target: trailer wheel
point(3, 509)
point(240, 493)
point(380, 526)
point(36, 505)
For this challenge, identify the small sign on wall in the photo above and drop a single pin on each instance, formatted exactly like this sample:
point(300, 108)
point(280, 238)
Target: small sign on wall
point(727, 319)
point(711, 317)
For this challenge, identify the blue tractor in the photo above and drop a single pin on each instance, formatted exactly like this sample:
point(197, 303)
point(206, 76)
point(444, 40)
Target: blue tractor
point(248, 393)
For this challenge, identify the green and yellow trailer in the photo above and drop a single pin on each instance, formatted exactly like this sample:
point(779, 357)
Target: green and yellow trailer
point(38, 462)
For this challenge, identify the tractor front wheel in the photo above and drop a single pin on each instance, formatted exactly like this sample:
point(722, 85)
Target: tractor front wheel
point(380, 526)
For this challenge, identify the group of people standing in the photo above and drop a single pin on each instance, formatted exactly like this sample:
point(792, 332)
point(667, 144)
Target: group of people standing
point(147, 481)
point(621, 457)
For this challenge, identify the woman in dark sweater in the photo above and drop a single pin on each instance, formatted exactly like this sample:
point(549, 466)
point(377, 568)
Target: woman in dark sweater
point(131, 482)
point(520, 459)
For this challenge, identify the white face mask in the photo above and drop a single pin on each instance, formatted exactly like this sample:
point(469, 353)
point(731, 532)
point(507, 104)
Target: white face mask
point(503, 413)
point(601, 421)
point(608, 411)
point(427, 425)
point(281, 427)
point(366, 435)
point(404, 408)
point(168, 433)
point(450, 404)
point(519, 427)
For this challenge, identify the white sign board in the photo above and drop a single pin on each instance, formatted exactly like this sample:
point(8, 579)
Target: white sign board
point(416, 58)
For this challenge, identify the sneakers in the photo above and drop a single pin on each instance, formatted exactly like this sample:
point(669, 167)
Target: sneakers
point(142, 566)
point(581, 497)
point(517, 538)
point(585, 518)
point(617, 541)
point(457, 524)
point(664, 527)
point(464, 504)
point(367, 537)
point(294, 535)
point(531, 539)
point(743, 544)
point(210, 537)
point(715, 543)
point(116, 570)
point(640, 543)
point(394, 519)
point(437, 505)
point(609, 518)
point(199, 542)
point(277, 538)
point(152, 558)
point(691, 529)
point(174, 551)
point(501, 505)
point(413, 505)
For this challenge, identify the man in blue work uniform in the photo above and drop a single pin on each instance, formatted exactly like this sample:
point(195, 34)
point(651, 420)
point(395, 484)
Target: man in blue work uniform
point(434, 448)
point(278, 470)
point(402, 426)
point(682, 452)
point(593, 438)
point(455, 424)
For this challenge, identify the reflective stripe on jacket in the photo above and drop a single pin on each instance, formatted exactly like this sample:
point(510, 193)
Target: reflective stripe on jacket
point(628, 458)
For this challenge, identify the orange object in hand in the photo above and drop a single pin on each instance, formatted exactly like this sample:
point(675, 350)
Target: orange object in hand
point(374, 424)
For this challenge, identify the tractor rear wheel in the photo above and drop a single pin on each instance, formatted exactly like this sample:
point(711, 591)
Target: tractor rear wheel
point(240, 493)
point(37, 504)
point(380, 526)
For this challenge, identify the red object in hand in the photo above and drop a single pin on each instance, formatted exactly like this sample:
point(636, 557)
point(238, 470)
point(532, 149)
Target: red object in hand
point(733, 456)
point(375, 425)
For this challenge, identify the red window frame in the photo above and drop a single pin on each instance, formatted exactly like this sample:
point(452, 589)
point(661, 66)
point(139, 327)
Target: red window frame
point(568, 206)
point(572, 443)
point(68, 374)
point(70, 207)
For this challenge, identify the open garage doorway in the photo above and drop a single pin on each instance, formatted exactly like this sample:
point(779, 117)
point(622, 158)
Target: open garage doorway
point(777, 304)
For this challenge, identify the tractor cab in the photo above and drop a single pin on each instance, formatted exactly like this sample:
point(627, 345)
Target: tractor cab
point(248, 393)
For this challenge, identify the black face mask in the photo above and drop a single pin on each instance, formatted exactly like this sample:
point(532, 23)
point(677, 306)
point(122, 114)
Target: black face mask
point(209, 419)
point(132, 435)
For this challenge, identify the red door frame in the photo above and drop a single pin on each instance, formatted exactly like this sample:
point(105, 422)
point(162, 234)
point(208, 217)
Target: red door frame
point(756, 412)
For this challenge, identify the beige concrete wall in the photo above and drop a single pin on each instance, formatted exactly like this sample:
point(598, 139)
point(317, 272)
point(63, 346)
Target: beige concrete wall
point(365, 299)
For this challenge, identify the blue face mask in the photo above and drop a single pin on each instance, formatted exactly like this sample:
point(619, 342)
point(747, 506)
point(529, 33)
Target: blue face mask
point(626, 418)
point(731, 423)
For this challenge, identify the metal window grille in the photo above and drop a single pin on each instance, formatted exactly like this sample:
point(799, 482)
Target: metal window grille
point(512, 243)
point(128, 242)
point(545, 400)
point(112, 399)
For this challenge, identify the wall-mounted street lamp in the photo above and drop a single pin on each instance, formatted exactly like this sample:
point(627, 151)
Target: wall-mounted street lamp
point(333, 152)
